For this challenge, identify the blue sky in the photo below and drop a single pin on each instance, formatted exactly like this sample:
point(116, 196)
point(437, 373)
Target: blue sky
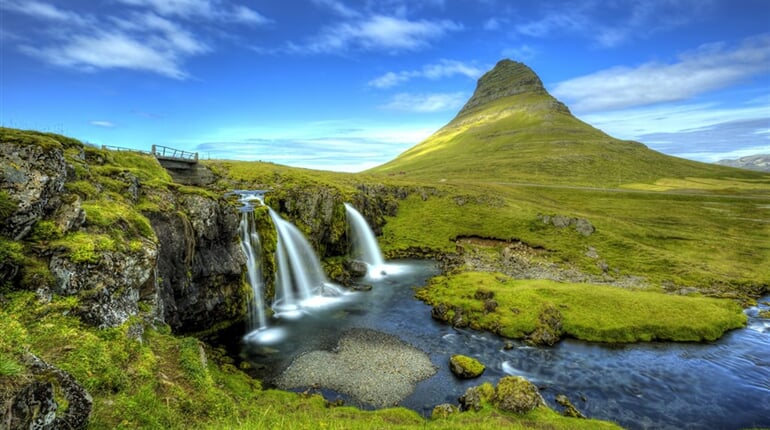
point(350, 84)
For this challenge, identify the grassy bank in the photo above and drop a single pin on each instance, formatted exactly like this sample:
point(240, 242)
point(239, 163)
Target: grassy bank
point(584, 311)
point(141, 377)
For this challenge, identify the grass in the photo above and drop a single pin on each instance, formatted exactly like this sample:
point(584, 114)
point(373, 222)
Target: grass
point(589, 312)
point(172, 382)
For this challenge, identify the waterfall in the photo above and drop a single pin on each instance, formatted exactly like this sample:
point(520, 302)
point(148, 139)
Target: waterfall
point(252, 248)
point(365, 247)
point(300, 280)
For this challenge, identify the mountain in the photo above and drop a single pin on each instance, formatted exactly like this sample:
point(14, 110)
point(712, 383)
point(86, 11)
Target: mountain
point(759, 162)
point(513, 130)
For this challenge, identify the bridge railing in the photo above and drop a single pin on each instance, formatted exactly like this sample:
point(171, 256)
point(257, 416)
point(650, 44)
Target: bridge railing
point(123, 149)
point(167, 153)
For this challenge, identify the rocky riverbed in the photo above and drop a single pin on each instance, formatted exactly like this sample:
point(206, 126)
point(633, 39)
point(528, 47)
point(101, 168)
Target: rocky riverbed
point(372, 367)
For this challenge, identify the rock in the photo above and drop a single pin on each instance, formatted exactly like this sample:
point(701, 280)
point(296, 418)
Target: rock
point(508, 345)
point(584, 227)
point(439, 312)
point(569, 409)
point(458, 320)
point(483, 295)
point(471, 400)
point(357, 268)
point(200, 263)
point(34, 406)
point(549, 327)
point(764, 313)
point(490, 305)
point(516, 394)
point(465, 367)
point(33, 176)
point(70, 216)
point(443, 410)
point(110, 288)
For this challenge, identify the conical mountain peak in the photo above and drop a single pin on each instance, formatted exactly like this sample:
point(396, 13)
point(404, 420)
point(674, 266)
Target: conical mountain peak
point(506, 79)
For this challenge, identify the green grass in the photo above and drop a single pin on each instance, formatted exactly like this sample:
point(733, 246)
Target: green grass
point(178, 383)
point(589, 312)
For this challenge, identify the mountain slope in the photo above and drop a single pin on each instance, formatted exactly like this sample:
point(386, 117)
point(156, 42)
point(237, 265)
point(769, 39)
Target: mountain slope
point(513, 130)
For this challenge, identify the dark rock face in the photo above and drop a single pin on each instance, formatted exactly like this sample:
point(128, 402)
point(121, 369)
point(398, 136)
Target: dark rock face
point(581, 225)
point(111, 288)
point(34, 406)
point(33, 177)
point(199, 264)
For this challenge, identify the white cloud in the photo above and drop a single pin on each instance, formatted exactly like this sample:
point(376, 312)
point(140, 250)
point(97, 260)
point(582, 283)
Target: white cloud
point(708, 68)
point(106, 124)
point(343, 145)
point(521, 53)
point(424, 103)
point(376, 33)
point(153, 39)
point(338, 7)
point(207, 9)
point(44, 11)
point(611, 24)
point(442, 69)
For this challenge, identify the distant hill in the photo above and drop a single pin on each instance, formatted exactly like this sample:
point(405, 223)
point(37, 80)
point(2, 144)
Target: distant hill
point(759, 162)
point(513, 130)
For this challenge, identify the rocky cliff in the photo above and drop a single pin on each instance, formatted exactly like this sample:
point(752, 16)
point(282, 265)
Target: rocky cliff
point(113, 230)
point(759, 162)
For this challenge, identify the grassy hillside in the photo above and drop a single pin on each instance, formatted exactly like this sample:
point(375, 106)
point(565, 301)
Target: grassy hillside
point(528, 136)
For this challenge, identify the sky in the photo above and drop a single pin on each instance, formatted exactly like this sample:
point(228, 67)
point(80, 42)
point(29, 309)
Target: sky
point(346, 85)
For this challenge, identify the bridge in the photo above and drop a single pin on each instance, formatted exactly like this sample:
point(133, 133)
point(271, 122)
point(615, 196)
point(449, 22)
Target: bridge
point(182, 165)
point(171, 158)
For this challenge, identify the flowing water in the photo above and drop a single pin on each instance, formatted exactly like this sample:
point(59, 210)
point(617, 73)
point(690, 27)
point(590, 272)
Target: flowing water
point(365, 247)
point(723, 384)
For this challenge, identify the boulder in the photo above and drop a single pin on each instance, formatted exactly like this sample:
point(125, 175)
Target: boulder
point(465, 367)
point(443, 410)
point(569, 409)
point(516, 394)
point(34, 405)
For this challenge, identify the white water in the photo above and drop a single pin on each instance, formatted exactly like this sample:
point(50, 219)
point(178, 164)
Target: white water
point(365, 247)
point(251, 246)
point(300, 281)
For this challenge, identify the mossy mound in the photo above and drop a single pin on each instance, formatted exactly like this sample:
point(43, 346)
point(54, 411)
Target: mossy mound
point(465, 367)
point(516, 394)
point(535, 309)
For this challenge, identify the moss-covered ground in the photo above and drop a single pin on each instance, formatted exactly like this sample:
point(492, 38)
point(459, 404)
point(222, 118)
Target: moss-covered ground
point(588, 312)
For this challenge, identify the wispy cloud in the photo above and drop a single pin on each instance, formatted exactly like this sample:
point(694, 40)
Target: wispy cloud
point(423, 103)
point(206, 9)
point(152, 38)
point(376, 33)
point(105, 124)
point(612, 24)
point(708, 68)
point(442, 69)
point(338, 7)
point(326, 145)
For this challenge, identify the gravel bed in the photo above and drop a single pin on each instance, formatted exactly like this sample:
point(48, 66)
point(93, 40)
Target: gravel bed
point(372, 367)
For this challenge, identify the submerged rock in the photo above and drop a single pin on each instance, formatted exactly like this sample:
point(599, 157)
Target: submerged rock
point(465, 367)
point(569, 409)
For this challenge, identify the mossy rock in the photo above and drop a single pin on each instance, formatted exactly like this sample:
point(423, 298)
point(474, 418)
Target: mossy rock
point(764, 314)
point(443, 411)
point(516, 394)
point(465, 367)
point(549, 327)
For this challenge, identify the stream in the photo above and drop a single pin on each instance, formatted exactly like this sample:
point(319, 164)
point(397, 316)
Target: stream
point(723, 384)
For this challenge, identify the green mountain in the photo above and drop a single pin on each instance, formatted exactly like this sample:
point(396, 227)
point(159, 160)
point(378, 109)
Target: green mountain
point(513, 130)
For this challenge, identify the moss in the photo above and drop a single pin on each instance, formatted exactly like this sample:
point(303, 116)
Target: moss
point(588, 312)
point(45, 230)
point(764, 313)
point(516, 394)
point(7, 206)
point(466, 367)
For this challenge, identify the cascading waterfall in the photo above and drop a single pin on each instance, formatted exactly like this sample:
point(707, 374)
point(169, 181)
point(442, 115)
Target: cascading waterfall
point(365, 247)
point(252, 247)
point(301, 281)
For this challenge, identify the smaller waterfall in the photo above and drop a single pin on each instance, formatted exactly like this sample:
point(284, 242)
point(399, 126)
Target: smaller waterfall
point(252, 247)
point(365, 247)
point(301, 281)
